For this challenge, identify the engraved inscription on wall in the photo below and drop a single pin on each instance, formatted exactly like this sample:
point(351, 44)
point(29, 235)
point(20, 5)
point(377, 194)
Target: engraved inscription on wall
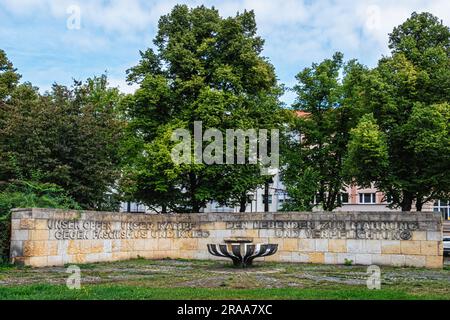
point(85, 230)
point(379, 230)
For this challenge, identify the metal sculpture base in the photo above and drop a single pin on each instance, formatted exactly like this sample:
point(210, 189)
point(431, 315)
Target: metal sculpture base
point(242, 252)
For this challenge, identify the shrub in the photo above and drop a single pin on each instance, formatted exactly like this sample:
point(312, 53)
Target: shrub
point(28, 194)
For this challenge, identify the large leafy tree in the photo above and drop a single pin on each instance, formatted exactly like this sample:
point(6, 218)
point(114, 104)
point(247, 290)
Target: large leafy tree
point(69, 137)
point(9, 77)
point(408, 94)
point(205, 68)
point(314, 152)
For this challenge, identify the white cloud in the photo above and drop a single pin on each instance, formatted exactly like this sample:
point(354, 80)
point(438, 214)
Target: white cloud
point(297, 32)
point(122, 85)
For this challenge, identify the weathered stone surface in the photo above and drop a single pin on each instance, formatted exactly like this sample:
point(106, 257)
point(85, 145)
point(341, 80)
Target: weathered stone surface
point(316, 257)
point(390, 246)
point(307, 245)
point(415, 261)
point(336, 246)
point(55, 237)
point(429, 248)
point(410, 247)
point(363, 258)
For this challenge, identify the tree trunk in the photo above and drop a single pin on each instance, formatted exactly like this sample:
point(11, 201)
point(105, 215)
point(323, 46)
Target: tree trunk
point(243, 203)
point(419, 205)
point(407, 201)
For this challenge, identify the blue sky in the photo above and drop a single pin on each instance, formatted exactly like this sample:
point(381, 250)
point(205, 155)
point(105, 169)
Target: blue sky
point(37, 39)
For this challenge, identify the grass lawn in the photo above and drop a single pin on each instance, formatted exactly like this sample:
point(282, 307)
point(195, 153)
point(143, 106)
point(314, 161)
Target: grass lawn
point(190, 279)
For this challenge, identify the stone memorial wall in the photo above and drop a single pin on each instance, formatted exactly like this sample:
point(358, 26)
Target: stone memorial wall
point(51, 237)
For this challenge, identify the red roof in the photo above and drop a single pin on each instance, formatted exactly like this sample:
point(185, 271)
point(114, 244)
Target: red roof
point(301, 114)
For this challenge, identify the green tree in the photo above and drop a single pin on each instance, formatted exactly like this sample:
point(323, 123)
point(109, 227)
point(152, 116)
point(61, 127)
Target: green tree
point(27, 194)
point(314, 152)
point(9, 77)
point(205, 68)
point(70, 137)
point(367, 149)
point(408, 95)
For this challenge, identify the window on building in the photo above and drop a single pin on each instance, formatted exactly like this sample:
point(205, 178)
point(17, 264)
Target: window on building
point(270, 199)
point(367, 198)
point(442, 206)
point(135, 207)
point(344, 198)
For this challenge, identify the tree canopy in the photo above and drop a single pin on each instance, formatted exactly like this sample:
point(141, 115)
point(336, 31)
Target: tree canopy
point(205, 68)
point(69, 137)
point(408, 94)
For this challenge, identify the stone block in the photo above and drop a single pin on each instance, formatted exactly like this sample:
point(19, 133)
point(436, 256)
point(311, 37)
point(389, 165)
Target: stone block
point(54, 261)
point(220, 234)
point(20, 235)
point(355, 246)
point(268, 233)
point(316, 257)
point(115, 245)
point(252, 233)
point(390, 247)
point(297, 257)
point(419, 235)
point(40, 224)
point(306, 245)
point(62, 247)
point(26, 223)
point(52, 248)
point(74, 247)
point(398, 260)
point(342, 257)
point(139, 245)
point(429, 248)
point(363, 259)
point(107, 246)
point(372, 246)
point(189, 244)
point(15, 224)
point(434, 262)
point(16, 248)
point(219, 225)
point(381, 259)
point(337, 245)
point(289, 245)
point(434, 235)
point(39, 235)
point(285, 256)
point(330, 258)
point(415, 261)
point(440, 248)
point(164, 244)
point(38, 261)
point(410, 247)
point(34, 248)
point(321, 245)
point(79, 258)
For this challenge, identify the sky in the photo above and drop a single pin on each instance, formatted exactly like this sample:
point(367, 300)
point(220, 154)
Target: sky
point(52, 41)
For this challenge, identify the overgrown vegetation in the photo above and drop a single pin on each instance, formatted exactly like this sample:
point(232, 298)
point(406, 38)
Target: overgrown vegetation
point(28, 194)
point(387, 127)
